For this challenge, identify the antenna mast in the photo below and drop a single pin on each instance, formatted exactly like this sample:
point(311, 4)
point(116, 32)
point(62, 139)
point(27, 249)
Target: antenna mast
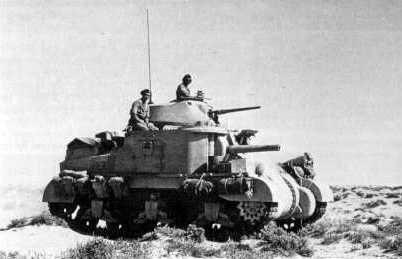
point(149, 58)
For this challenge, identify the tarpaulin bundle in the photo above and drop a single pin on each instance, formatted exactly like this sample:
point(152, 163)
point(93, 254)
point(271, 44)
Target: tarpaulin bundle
point(300, 167)
point(235, 185)
point(198, 187)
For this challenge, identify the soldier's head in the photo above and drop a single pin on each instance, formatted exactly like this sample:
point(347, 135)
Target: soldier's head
point(145, 94)
point(187, 79)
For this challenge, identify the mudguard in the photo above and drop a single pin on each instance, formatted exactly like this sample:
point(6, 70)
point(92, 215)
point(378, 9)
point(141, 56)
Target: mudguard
point(307, 203)
point(262, 193)
point(321, 191)
point(280, 190)
point(56, 193)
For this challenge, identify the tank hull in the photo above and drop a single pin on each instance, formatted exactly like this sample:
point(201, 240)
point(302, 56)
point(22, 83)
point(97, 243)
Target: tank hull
point(192, 174)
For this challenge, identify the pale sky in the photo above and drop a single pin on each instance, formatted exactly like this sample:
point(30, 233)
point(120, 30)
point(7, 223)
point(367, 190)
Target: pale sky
point(327, 74)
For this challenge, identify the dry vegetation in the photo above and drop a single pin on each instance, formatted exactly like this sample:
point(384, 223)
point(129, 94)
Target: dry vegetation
point(41, 219)
point(273, 241)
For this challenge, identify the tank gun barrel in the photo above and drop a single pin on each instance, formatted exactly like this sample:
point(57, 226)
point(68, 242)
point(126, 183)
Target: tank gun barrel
point(224, 111)
point(252, 148)
point(214, 113)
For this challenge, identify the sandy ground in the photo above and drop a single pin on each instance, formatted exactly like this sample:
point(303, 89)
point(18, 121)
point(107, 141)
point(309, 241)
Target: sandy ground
point(48, 241)
point(371, 206)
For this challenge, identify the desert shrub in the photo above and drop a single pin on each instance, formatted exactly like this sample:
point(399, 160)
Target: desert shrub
point(372, 220)
point(357, 219)
point(94, 249)
point(130, 249)
point(392, 244)
point(245, 254)
point(357, 237)
point(195, 233)
point(187, 242)
point(391, 195)
point(17, 223)
point(377, 188)
point(331, 237)
point(103, 249)
point(398, 202)
point(345, 195)
point(15, 255)
point(332, 231)
point(369, 195)
point(278, 241)
point(150, 236)
point(192, 232)
point(327, 226)
point(374, 204)
point(394, 227)
point(317, 229)
point(241, 251)
point(340, 227)
point(354, 248)
point(338, 189)
point(187, 247)
point(366, 244)
point(360, 194)
point(365, 195)
point(42, 219)
point(46, 219)
point(337, 197)
point(170, 232)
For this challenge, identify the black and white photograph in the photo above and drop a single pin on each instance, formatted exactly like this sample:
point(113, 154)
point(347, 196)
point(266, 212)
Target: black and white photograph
point(200, 129)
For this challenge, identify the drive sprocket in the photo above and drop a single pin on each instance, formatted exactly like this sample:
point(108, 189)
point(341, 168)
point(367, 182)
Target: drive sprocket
point(252, 212)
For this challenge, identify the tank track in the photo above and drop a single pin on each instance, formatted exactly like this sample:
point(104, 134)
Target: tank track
point(246, 219)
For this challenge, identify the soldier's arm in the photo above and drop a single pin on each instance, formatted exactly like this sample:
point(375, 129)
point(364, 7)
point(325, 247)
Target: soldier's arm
point(183, 91)
point(134, 112)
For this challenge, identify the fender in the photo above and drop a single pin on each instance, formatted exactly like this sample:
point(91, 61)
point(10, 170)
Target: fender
point(294, 195)
point(262, 193)
point(321, 191)
point(307, 203)
point(271, 190)
point(55, 192)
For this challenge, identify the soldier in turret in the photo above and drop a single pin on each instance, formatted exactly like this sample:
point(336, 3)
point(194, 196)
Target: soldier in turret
point(140, 114)
point(183, 91)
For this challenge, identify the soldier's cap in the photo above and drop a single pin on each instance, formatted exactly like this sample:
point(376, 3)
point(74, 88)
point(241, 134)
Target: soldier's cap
point(186, 76)
point(146, 92)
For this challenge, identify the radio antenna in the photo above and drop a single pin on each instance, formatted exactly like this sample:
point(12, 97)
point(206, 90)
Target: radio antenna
point(149, 58)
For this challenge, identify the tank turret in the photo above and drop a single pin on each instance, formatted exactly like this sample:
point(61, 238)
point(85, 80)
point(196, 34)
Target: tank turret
point(190, 171)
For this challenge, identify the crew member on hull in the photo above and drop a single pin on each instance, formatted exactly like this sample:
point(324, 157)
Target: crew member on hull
point(140, 114)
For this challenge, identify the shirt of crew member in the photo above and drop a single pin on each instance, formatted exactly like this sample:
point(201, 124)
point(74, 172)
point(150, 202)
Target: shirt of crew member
point(140, 110)
point(182, 91)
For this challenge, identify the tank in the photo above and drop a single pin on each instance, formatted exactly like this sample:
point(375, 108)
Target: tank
point(191, 171)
